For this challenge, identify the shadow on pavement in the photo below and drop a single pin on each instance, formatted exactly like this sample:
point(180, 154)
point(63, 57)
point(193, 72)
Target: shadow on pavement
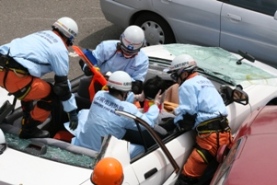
point(108, 33)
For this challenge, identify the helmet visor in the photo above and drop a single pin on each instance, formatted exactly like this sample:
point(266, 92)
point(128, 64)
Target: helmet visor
point(176, 74)
point(127, 52)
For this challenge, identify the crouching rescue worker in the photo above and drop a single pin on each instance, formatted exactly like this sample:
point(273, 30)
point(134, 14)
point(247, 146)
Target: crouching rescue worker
point(108, 171)
point(24, 60)
point(200, 108)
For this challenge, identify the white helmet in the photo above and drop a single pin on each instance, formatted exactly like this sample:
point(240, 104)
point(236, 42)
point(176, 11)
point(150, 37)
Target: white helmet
point(132, 39)
point(184, 62)
point(68, 27)
point(120, 80)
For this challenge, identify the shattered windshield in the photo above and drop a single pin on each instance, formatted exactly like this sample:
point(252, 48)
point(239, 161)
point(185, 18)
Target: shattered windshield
point(220, 63)
point(52, 153)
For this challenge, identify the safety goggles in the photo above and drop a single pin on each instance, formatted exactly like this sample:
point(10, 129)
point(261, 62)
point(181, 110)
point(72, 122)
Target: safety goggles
point(127, 52)
point(174, 76)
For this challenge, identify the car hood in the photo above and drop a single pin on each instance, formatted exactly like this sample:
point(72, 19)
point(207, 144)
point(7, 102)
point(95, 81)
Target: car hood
point(20, 168)
point(219, 62)
point(61, 164)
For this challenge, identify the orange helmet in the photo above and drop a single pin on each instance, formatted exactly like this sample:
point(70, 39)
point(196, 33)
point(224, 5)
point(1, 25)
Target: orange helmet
point(108, 171)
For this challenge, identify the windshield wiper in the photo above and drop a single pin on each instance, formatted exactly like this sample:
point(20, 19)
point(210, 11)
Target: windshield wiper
point(246, 56)
point(217, 75)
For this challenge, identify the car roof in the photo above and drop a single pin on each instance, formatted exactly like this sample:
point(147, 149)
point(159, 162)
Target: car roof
point(256, 155)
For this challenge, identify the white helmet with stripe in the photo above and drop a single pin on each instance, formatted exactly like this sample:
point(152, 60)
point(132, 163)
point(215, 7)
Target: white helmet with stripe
point(120, 80)
point(184, 62)
point(68, 27)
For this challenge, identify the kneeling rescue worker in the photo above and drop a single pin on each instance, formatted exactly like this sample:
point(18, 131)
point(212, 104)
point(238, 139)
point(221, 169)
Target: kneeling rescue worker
point(24, 60)
point(202, 109)
point(108, 171)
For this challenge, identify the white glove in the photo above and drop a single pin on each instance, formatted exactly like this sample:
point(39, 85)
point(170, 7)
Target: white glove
point(140, 97)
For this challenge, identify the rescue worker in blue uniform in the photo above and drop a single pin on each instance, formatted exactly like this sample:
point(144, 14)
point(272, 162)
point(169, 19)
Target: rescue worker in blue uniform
point(25, 60)
point(101, 119)
point(201, 108)
point(122, 55)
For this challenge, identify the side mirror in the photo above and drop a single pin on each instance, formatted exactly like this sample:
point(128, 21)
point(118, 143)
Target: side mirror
point(239, 96)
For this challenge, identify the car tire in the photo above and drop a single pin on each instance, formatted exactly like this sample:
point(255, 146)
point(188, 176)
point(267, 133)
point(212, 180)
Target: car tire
point(156, 29)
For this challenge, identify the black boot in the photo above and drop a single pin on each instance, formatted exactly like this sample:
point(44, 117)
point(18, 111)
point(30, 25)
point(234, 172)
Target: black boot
point(185, 180)
point(26, 107)
point(29, 129)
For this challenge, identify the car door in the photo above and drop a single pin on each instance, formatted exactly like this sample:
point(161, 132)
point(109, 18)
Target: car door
point(192, 21)
point(250, 26)
point(236, 115)
point(155, 168)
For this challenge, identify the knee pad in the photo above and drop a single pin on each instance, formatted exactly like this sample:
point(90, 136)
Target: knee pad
point(44, 105)
point(61, 88)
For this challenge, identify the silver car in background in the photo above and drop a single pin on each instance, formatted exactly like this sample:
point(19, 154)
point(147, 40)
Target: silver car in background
point(249, 26)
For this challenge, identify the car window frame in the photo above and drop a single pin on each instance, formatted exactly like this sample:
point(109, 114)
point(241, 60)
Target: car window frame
point(254, 6)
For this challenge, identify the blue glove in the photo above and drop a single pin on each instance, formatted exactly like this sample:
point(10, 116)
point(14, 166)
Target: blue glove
point(73, 119)
point(187, 123)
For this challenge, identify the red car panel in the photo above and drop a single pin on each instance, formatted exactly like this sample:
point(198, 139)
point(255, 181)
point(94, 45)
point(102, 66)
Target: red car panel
point(253, 158)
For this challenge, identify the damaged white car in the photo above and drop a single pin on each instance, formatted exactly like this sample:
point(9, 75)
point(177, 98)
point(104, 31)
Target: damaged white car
point(53, 161)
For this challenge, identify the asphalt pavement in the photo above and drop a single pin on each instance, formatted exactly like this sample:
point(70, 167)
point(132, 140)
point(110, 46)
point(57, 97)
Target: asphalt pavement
point(22, 17)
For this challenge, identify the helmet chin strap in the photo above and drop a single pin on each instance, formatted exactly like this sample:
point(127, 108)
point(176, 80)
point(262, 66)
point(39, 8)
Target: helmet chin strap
point(190, 75)
point(69, 41)
point(182, 80)
point(123, 95)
